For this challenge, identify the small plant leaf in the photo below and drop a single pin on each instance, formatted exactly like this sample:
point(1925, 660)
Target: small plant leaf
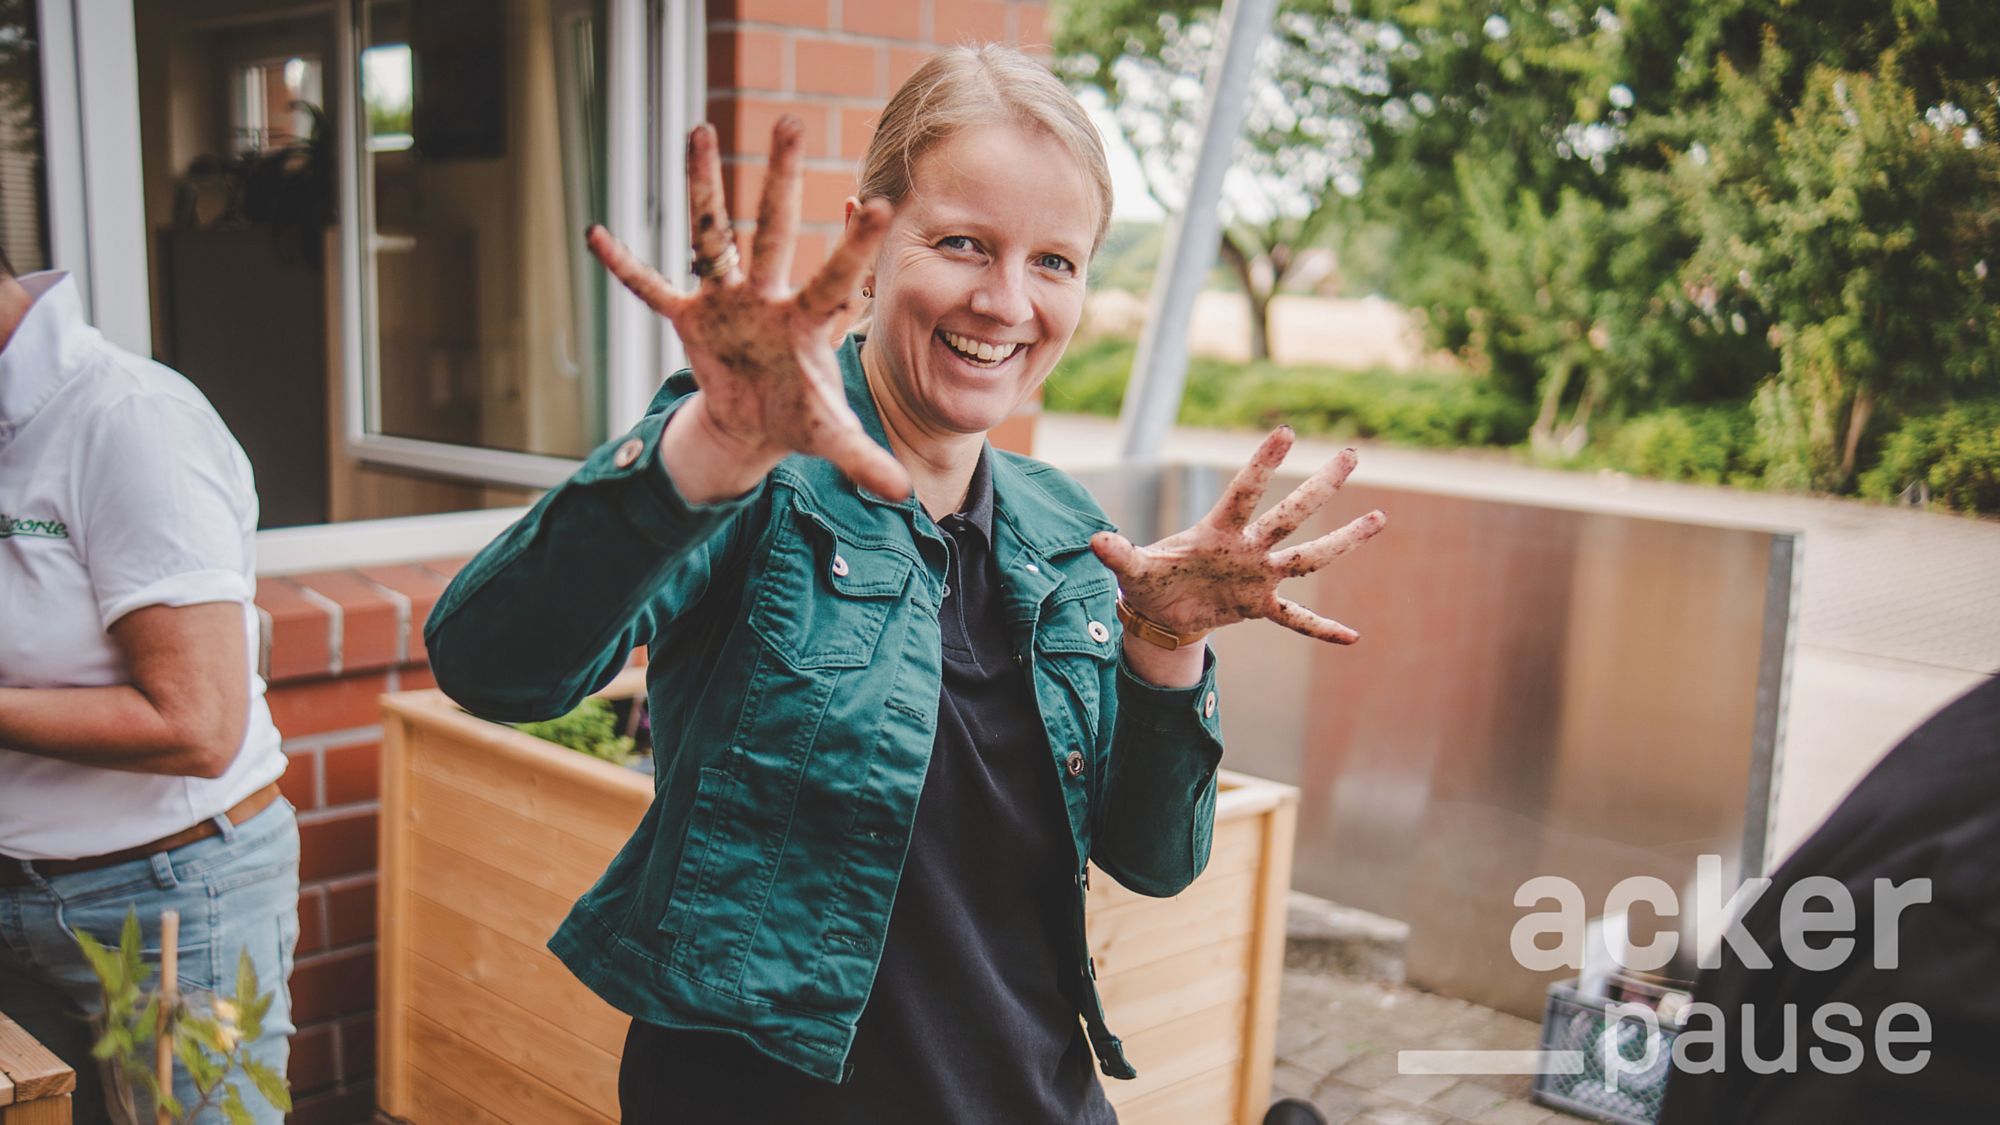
point(234, 1109)
point(269, 1083)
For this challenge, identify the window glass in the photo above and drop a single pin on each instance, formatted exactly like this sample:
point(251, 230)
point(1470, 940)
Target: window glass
point(485, 161)
point(24, 215)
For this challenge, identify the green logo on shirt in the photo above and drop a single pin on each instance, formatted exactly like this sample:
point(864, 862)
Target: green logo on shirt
point(35, 529)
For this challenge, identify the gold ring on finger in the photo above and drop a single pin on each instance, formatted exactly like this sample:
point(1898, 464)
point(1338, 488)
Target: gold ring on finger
point(718, 265)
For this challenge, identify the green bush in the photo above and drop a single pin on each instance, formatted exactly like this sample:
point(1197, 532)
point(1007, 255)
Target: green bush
point(1955, 453)
point(1710, 445)
point(590, 729)
point(1428, 408)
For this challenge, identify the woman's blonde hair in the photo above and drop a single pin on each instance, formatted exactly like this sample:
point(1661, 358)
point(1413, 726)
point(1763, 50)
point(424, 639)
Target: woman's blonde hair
point(962, 87)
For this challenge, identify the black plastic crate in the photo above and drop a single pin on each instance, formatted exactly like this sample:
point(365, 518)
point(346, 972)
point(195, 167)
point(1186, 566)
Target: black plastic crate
point(1572, 1021)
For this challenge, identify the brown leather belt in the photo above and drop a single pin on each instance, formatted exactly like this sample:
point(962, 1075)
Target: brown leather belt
point(11, 874)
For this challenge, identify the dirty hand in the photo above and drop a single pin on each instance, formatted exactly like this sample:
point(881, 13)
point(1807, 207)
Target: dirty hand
point(762, 354)
point(1226, 568)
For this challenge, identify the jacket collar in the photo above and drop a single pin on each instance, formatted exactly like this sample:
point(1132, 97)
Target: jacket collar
point(45, 350)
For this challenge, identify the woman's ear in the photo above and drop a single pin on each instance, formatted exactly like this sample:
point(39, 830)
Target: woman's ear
point(847, 211)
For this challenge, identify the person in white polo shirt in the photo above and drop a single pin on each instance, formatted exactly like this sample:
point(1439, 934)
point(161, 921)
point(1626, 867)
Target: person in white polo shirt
point(138, 762)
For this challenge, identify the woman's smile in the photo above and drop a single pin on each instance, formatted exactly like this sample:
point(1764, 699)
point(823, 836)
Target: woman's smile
point(978, 352)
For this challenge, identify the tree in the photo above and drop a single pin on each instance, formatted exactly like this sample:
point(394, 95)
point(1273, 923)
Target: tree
point(1300, 148)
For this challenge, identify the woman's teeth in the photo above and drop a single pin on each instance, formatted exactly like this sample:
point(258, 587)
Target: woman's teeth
point(976, 350)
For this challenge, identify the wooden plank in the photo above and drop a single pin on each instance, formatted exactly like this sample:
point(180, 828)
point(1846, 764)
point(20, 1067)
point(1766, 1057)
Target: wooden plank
point(514, 1039)
point(1207, 1098)
point(434, 1102)
point(42, 1111)
point(531, 849)
point(510, 904)
point(434, 716)
point(1267, 960)
point(1169, 1053)
point(504, 1090)
point(529, 977)
point(1128, 937)
point(1209, 976)
point(590, 807)
point(28, 1070)
point(392, 998)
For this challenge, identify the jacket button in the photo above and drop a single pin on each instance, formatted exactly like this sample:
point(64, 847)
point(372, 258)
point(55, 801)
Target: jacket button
point(1074, 763)
point(1208, 706)
point(839, 567)
point(628, 453)
point(1098, 632)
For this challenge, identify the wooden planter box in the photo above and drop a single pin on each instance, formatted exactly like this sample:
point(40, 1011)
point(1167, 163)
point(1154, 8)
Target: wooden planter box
point(488, 836)
point(35, 1085)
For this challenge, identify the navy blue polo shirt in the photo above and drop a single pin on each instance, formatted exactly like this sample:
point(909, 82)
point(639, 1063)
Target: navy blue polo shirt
point(970, 1019)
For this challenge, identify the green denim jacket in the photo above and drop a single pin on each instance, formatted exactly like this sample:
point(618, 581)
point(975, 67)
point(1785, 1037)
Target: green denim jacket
point(794, 680)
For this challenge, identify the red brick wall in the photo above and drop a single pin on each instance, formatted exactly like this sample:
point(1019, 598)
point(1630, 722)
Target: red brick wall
point(337, 640)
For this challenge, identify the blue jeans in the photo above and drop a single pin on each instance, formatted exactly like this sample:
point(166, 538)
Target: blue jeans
point(236, 892)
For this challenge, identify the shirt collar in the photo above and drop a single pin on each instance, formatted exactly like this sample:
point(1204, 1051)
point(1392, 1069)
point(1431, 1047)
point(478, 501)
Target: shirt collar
point(977, 510)
point(41, 357)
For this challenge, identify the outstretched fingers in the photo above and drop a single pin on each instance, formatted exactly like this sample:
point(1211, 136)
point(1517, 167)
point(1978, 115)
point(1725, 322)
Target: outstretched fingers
point(1239, 501)
point(1299, 619)
point(708, 213)
point(1118, 554)
point(1310, 496)
point(778, 210)
point(867, 464)
point(831, 292)
point(1299, 561)
point(644, 281)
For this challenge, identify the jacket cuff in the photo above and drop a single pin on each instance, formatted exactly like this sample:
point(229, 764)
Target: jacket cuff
point(646, 494)
point(1193, 710)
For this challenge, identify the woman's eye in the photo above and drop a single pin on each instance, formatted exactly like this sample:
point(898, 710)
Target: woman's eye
point(1055, 262)
point(955, 242)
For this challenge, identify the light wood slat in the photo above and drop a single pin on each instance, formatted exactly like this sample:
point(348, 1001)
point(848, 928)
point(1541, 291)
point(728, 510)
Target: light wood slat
point(1125, 939)
point(509, 1091)
point(598, 809)
point(532, 850)
point(1266, 958)
point(392, 994)
point(1234, 849)
point(528, 977)
point(42, 1111)
point(1208, 1098)
point(1192, 1044)
point(1172, 987)
point(509, 904)
point(28, 1070)
point(433, 1100)
point(516, 1038)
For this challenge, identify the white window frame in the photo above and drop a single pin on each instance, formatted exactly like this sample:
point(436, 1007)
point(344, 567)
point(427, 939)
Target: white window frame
point(648, 108)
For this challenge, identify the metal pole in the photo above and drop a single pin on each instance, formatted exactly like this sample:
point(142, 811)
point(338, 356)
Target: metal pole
point(1159, 370)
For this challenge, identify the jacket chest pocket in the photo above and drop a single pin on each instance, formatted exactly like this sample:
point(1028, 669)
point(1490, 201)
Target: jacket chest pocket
point(822, 600)
point(1077, 639)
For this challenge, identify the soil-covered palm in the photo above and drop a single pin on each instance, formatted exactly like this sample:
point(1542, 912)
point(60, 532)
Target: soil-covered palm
point(762, 354)
point(1226, 568)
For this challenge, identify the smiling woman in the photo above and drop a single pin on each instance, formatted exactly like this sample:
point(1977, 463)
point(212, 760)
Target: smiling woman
point(895, 716)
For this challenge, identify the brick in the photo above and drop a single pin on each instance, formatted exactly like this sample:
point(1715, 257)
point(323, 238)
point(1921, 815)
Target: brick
point(857, 128)
point(824, 199)
point(336, 845)
point(1015, 434)
point(335, 984)
point(1031, 25)
point(357, 1047)
point(826, 66)
point(743, 124)
point(351, 1106)
point(350, 913)
point(312, 1067)
point(814, 14)
point(746, 59)
point(903, 62)
point(353, 773)
point(897, 19)
point(300, 781)
point(446, 569)
point(415, 677)
point(312, 921)
point(968, 21)
point(372, 628)
point(301, 632)
point(319, 706)
point(421, 586)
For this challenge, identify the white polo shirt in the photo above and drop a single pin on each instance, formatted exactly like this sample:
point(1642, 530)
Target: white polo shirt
point(119, 488)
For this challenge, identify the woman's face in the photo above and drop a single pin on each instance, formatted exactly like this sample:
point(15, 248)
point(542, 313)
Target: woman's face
point(980, 281)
